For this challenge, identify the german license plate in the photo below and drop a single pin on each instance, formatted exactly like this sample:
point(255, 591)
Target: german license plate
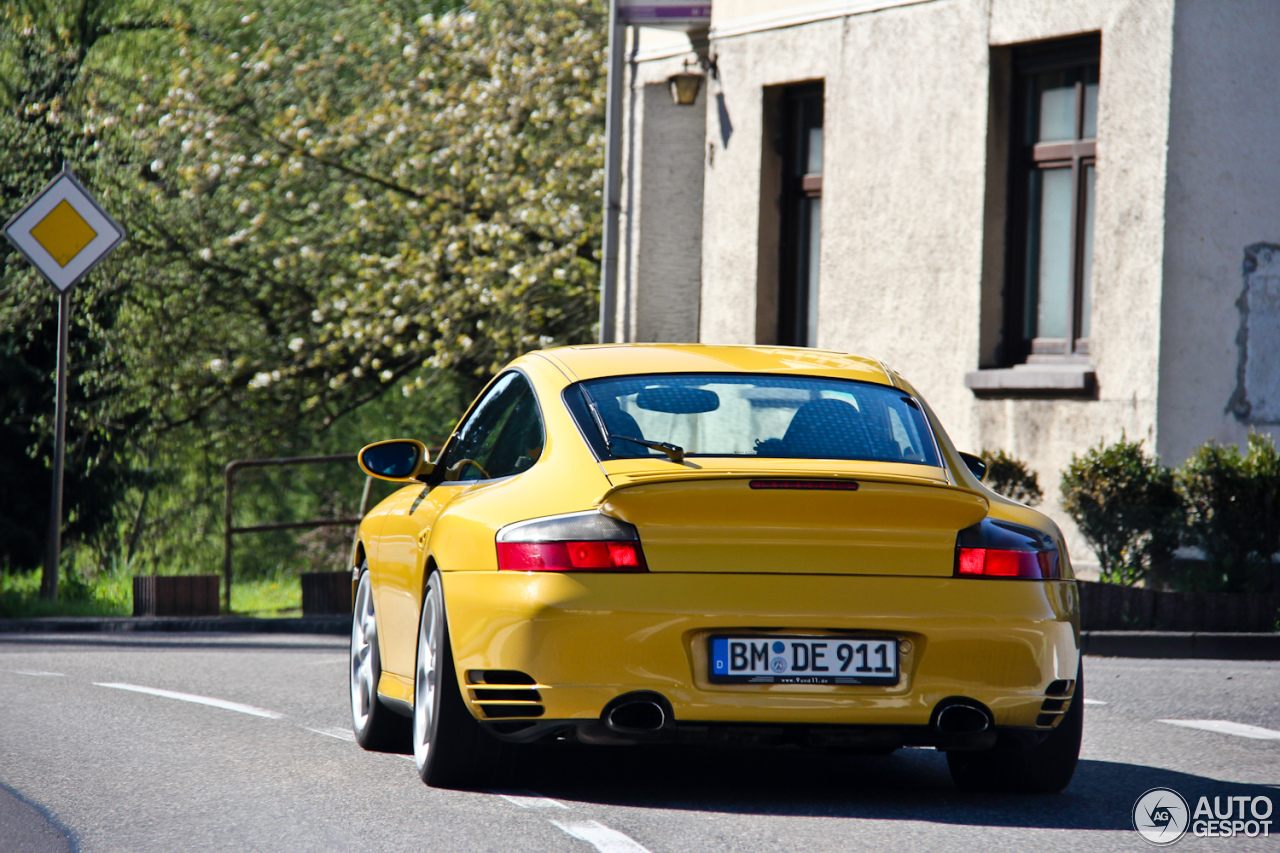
point(803, 660)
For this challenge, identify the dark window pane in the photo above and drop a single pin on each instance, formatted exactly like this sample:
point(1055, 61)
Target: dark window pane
point(502, 436)
point(801, 133)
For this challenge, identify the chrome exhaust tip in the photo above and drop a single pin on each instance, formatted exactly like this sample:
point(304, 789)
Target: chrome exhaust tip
point(961, 717)
point(636, 717)
point(637, 713)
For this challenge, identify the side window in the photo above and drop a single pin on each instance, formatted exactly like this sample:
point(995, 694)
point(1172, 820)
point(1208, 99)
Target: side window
point(502, 436)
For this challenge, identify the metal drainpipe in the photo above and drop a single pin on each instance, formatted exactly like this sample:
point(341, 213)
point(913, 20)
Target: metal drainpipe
point(612, 177)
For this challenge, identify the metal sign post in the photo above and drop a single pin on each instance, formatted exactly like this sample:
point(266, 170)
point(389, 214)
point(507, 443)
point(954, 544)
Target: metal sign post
point(49, 580)
point(64, 233)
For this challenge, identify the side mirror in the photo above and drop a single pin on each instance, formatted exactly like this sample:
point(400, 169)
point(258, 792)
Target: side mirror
point(975, 465)
point(401, 460)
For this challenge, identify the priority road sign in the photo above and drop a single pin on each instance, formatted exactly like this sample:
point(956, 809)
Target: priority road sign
point(63, 231)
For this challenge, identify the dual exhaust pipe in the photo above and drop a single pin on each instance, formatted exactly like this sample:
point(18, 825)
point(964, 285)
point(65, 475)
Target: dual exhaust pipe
point(645, 712)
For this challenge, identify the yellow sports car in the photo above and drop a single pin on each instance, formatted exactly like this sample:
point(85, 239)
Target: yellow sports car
point(710, 544)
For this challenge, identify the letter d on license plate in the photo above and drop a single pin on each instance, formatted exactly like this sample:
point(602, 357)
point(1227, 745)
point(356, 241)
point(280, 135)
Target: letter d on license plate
point(803, 660)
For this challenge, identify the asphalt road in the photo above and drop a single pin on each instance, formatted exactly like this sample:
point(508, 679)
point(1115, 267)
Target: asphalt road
point(92, 759)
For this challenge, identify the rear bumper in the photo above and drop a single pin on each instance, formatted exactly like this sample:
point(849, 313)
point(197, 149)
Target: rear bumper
point(587, 639)
point(851, 738)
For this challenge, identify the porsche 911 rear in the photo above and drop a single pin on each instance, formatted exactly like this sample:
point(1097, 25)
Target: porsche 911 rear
point(642, 635)
point(802, 570)
point(686, 543)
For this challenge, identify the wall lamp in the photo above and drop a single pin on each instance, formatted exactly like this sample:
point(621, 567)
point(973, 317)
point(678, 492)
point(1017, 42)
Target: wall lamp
point(685, 85)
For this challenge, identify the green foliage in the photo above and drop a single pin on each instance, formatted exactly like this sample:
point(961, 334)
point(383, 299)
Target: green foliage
point(48, 65)
point(86, 588)
point(325, 202)
point(335, 203)
point(1233, 508)
point(1009, 476)
point(1126, 507)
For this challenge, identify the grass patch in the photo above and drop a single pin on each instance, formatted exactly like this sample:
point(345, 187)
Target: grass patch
point(270, 597)
point(109, 594)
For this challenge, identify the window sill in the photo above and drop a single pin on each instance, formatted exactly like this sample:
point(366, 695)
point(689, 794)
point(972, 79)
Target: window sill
point(1040, 379)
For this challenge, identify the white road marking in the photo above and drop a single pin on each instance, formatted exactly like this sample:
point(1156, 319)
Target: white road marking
point(530, 800)
point(191, 697)
point(336, 733)
point(601, 837)
point(1094, 702)
point(1227, 728)
point(40, 672)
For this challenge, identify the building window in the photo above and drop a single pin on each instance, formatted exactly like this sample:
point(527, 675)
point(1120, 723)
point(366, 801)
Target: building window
point(801, 214)
point(1054, 125)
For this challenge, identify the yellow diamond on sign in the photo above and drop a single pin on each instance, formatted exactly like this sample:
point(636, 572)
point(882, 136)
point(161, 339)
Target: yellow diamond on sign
point(63, 233)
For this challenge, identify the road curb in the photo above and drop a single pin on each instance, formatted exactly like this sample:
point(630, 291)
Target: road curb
point(338, 624)
point(1181, 644)
point(1120, 644)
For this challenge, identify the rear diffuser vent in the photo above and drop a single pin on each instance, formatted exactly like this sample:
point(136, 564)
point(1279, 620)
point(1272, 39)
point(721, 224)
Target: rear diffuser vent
point(498, 676)
point(1052, 710)
point(504, 693)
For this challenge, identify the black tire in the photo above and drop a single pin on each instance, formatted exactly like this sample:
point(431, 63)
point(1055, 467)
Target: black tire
point(1013, 767)
point(450, 747)
point(376, 726)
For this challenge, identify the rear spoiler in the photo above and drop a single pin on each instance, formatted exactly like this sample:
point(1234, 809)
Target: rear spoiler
point(622, 482)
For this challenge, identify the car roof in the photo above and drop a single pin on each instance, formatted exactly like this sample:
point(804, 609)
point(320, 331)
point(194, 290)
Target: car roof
point(592, 362)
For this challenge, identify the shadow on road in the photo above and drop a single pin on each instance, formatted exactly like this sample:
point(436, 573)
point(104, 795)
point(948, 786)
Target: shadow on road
point(912, 784)
point(27, 828)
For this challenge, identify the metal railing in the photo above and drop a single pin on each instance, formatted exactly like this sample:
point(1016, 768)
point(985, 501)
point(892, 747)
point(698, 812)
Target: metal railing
point(229, 530)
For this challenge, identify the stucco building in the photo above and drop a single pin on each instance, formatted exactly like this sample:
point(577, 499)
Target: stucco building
point(1060, 219)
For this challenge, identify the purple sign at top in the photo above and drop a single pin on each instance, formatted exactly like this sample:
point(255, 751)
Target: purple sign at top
point(664, 13)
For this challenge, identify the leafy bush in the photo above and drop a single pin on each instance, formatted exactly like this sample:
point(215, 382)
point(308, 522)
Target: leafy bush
point(1009, 476)
point(1126, 507)
point(1233, 510)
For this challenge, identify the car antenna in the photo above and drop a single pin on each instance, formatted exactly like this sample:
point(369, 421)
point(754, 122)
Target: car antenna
point(674, 452)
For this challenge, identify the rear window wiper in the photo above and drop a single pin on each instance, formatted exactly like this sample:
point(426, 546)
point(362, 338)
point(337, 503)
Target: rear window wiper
point(674, 452)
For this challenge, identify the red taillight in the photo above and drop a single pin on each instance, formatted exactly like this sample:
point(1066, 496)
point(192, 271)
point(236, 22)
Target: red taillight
point(624, 556)
point(1000, 563)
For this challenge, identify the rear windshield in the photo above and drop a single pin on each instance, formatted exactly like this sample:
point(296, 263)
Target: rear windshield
point(778, 417)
